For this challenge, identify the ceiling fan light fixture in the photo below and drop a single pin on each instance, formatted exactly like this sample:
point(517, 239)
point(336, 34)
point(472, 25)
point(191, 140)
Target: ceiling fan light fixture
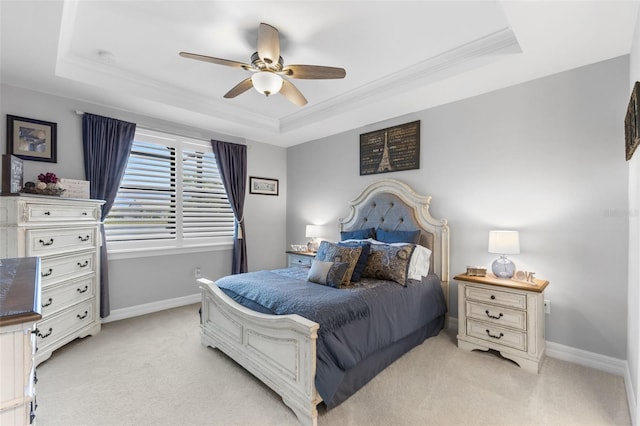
point(266, 82)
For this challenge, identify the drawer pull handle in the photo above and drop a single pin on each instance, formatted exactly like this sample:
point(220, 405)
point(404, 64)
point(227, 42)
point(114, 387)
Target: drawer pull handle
point(83, 265)
point(49, 302)
point(84, 214)
point(46, 274)
point(84, 238)
point(35, 376)
point(83, 316)
point(43, 336)
point(83, 290)
point(45, 243)
point(493, 297)
point(493, 316)
point(47, 213)
point(493, 335)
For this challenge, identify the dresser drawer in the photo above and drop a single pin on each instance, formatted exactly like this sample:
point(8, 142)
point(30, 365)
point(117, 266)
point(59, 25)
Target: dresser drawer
point(497, 297)
point(45, 213)
point(497, 315)
point(61, 268)
point(497, 335)
point(59, 297)
point(45, 242)
point(64, 323)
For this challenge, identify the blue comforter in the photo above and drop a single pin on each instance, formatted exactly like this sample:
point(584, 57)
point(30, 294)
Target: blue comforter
point(355, 322)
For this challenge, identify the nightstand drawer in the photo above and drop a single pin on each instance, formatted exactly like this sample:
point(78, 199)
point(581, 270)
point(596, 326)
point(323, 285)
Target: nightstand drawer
point(299, 260)
point(497, 335)
point(497, 297)
point(497, 315)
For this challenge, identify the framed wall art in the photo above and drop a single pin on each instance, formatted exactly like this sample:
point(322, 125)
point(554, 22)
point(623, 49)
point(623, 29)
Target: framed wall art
point(390, 150)
point(264, 186)
point(632, 123)
point(31, 139)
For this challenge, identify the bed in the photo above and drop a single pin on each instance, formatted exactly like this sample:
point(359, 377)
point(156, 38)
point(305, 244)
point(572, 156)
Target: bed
point(301, 358)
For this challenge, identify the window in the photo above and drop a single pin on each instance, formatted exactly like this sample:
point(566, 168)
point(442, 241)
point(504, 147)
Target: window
point(171, 196)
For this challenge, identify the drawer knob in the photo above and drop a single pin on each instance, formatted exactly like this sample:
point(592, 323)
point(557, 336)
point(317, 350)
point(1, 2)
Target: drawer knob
point(83, 316)
point(84, 214)
point(493, 297)
point(493, 336)
point(83, 290)
point(83, 239)
point(43, 336)
point(49, 302)
point(44, 243)
point(46, 274)
point(83, 265)
point(47, 213)
point(493, 316)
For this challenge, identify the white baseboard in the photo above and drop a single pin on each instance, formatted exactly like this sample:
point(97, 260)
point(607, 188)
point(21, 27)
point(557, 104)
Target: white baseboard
point(631, 397)
point(588, 359)
point(148, 308)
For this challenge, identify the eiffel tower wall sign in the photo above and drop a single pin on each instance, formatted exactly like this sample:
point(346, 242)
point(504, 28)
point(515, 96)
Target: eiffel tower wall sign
point(390, 150)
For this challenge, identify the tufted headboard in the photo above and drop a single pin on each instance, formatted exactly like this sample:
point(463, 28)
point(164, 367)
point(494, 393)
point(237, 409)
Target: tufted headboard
point(392, 205)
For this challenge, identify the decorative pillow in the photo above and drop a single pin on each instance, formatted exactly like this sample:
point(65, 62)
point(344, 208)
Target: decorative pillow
point(330, 252)
point(327, 273)
point(398, 236)
point(420, 263)
point(359, 234)
point(389, 262)
point(362, 260)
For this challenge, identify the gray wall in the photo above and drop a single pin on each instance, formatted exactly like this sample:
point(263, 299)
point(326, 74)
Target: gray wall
point(143, 280)
point(544, 157)
point(633, 320)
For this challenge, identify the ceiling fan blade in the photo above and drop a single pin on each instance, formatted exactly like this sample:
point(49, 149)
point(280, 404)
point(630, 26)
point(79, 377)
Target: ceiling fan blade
point(313, 72)
point(268, 44)
point(292, 93)
point(214, 60)
point(239, 88)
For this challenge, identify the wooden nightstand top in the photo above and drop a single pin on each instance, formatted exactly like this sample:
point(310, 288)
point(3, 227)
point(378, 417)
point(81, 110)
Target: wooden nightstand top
point(538, 287)
point(302, 253)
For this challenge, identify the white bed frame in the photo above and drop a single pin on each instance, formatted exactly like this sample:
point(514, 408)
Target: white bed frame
point(280, 350)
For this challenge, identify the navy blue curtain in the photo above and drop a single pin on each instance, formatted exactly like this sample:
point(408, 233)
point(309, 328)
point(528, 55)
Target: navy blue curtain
point(107, 144)
point(231, 159)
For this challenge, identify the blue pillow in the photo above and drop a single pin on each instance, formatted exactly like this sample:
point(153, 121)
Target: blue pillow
point(359, 234)
point(362, 260)
point(398, 236)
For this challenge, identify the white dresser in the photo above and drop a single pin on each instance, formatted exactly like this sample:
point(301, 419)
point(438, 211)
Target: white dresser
point(65, 234)
point(503, 315)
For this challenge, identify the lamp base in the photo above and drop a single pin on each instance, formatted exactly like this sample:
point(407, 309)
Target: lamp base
point(503, 267)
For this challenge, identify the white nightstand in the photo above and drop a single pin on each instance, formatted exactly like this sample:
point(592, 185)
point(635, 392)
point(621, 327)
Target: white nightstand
point(503, 315)
point(300, 258)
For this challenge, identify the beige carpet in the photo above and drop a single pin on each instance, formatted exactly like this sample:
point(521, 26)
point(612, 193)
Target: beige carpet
point(152, 370)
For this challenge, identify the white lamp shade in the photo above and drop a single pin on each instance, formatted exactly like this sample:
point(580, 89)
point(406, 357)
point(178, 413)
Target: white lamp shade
point(266, 82)
point(504, 242)
point(313, 231)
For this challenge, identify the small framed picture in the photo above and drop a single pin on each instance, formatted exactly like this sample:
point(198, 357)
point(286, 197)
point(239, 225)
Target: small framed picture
point(265, 186)
point(632, 122)
point(31, 139)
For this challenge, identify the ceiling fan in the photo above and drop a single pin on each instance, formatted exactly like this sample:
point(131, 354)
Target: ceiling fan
point(269, 71)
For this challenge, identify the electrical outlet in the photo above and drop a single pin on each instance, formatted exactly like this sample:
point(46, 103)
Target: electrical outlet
point(547, 306)
point(197, 273)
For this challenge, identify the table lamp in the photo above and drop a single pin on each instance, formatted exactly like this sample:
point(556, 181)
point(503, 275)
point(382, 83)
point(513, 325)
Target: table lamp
point(503, 243)
point(313, 232)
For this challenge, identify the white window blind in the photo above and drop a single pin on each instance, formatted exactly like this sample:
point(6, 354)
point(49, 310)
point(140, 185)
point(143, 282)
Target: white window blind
point(171, 195)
